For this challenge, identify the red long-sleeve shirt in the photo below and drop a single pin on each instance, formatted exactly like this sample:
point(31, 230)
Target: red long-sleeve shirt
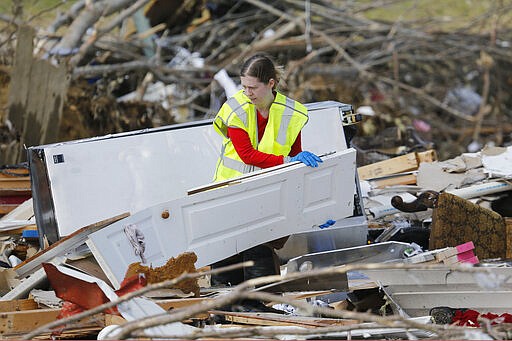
point(251, 156)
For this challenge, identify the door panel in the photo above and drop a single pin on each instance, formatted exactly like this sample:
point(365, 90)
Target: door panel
point(218, 223)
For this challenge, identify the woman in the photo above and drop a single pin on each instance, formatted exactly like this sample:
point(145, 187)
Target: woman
point(260, 129)
point(259, 125)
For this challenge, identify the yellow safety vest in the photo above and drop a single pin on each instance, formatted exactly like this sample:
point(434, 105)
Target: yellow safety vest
point(285, 121)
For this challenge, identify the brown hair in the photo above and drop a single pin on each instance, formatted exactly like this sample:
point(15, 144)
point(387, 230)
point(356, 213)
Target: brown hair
point(262, 67)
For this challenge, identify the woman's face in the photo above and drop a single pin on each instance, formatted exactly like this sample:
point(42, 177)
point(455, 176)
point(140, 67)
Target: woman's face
point(258, 92)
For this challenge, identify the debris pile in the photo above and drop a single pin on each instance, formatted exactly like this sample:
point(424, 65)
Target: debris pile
point(428, 222)
point(420, 289)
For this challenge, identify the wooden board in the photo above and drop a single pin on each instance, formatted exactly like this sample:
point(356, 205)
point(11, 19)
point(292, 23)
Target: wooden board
point(394, 165)
point(399, 164)
point(13, 325)
point(399, 179)
point(14, 172)
point(427, 156)
point(16, 322)
point(18, 305)
point(177, 303)
point(15, 183)
point(18, 231)
point(36, 96)
point(273, 319)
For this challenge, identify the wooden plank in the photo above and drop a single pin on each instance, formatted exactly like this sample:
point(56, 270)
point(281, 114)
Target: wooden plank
point(25, 321)
point(18, 91)
point(272, 319)
point(18, 305)
point(14, 173)
point(21, 183)
point(399, 164)
point(4, 209)
point(33, 126)
point(114, 319)
point(36, 97)
point(20, 78)
point(427, 156)
point(58, 84)
point(178, 303)
point(65, 244)
point(18, 231)
point(20, 322)
point(399, 179)
point(307, 294)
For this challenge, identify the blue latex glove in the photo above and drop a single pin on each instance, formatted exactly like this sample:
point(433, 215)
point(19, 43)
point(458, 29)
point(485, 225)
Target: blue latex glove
point(328, 223)
point(307, 158)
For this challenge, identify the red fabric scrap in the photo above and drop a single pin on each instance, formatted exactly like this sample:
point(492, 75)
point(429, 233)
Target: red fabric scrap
point(469, 318)
point(79, 295)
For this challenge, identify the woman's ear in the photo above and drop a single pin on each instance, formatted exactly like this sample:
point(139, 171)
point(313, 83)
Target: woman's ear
point(272, 83)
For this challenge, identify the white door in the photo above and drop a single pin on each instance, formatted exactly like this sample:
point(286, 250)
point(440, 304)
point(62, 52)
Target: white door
point(218, 223)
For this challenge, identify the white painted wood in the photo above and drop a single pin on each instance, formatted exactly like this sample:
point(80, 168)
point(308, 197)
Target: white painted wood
point(218, 223)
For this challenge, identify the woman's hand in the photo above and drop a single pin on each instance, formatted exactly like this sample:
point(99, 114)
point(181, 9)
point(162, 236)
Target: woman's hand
point(307, 158)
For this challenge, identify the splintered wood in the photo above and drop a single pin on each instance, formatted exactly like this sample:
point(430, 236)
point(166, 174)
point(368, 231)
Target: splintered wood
point(174, 267)
point(272, 319)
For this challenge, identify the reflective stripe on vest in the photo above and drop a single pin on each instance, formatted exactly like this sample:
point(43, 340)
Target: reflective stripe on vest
point(285, 121)
point(238, 165)
point(238, 110)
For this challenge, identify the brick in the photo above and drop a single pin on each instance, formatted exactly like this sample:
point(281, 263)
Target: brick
point(465, 255)
point(465, 247)
point(472, 260)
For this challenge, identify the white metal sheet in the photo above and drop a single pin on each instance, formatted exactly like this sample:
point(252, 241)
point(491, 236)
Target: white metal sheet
point(420, 303)
point(415, 278)
point(416, 291)
point(218, 223)
point(95, 179)
point(324, 131)
point(101, 178)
